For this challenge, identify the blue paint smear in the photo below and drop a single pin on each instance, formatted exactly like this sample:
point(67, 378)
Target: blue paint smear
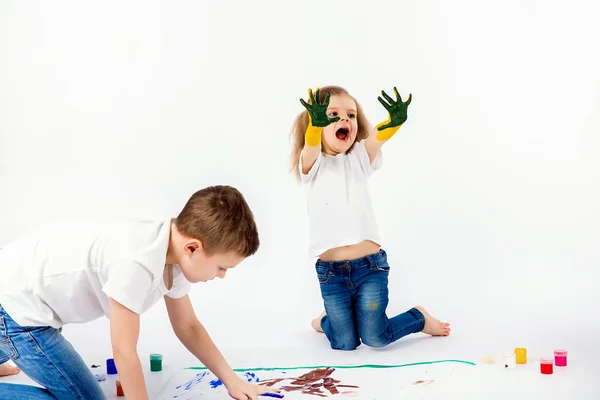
point(251, 377)
point(193, 382)
point(215, 383)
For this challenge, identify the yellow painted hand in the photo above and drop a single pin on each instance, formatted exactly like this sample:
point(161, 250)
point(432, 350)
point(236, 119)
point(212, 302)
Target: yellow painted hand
point(397, 115)
point(317, 117)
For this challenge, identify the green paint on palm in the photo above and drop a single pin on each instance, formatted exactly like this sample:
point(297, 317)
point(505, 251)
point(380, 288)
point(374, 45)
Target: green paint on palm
point(396, 108)
point(318, 112)
point(372, 366)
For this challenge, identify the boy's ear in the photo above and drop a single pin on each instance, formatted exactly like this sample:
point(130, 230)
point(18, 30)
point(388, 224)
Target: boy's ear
point(192, 245)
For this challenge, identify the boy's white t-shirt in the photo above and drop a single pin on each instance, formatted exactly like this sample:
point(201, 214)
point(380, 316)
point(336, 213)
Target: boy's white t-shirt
point(66, 273)
point(338, 200)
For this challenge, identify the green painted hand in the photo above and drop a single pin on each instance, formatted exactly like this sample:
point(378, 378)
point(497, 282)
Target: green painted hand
point(318, 112)
point(397, 115)
point(397, 110)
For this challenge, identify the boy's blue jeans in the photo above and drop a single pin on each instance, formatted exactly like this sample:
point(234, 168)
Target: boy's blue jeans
point(45, 356)
point(355, 293)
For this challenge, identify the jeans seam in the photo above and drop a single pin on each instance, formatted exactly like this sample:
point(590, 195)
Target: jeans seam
point(65, 376)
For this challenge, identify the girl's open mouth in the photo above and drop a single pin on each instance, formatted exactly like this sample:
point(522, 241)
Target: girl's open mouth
point(342, 134)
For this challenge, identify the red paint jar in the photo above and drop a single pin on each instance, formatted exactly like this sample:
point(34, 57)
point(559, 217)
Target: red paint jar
point(546, 366)
point(560, 358)
point(119, 389)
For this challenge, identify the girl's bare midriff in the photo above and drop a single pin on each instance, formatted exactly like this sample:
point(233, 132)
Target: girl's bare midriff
point(351, 252)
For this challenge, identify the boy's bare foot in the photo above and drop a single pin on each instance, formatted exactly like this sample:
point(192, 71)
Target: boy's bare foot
point(316, 323)
point(434, 327)
point(8, 369)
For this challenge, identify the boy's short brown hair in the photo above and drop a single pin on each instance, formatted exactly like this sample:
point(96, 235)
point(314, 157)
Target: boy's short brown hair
point(221, 219)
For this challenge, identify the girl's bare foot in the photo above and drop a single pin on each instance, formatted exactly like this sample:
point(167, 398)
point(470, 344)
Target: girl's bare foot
point(316, 323)
point(434, 327)
point(8, 369)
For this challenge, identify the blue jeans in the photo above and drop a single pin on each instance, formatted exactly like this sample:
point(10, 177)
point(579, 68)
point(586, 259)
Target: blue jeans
point(355, 293)
point(45, 356)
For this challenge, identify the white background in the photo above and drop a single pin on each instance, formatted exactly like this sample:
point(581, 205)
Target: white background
point(488, 200)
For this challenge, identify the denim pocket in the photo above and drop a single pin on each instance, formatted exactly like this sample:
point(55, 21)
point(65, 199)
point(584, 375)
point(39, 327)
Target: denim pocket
point(7, 350)
point(382, 266)
point(324, 274)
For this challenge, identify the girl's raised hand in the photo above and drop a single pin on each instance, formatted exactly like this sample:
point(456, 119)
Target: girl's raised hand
point(318, 112)
point(397, 110)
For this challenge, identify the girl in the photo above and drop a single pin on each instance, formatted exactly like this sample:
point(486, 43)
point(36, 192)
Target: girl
point(334, 153)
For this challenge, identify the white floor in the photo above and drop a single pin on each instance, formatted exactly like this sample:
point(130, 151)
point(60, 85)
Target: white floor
point(579, 380)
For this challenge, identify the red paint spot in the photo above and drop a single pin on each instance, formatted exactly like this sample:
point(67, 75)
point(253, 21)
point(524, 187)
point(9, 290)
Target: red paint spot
point(427, 382)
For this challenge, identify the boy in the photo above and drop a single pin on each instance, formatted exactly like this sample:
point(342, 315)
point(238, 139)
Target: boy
point(77, 272)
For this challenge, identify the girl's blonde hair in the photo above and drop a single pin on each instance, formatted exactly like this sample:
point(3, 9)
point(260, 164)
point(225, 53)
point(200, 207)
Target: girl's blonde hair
point(301, 123)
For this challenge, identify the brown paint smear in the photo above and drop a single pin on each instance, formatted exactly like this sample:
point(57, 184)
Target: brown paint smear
point(313, 382)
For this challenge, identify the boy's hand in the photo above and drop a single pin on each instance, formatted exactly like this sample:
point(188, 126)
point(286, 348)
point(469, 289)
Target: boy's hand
point(242, 390)
point(397, 115)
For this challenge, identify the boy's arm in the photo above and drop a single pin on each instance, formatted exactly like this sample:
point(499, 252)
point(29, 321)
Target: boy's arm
point(124, 333)
point(317, 120)
point(397, 110)
point(195, 338)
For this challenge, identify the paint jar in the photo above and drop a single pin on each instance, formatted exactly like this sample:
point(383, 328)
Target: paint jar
point(100, 377)
point(156, 362)
point(111, 369)
point(546, 366)
point(521, 355)
point(119, 389)
point(560, 358)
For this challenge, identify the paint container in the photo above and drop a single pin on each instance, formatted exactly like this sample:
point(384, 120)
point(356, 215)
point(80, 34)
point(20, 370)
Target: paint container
point(100, 377)
point(521, 355)
point(111, 369)
point(546, 366)
point(560, 358)
point(119, 389)
point(509, 361)
point(156, 362)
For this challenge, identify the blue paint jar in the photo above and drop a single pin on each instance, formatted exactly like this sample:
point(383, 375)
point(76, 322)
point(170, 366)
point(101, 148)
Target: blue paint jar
point(111, 369)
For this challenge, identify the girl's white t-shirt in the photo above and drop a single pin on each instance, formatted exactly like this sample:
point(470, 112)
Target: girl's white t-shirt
point(65, 273)
point(338, 200)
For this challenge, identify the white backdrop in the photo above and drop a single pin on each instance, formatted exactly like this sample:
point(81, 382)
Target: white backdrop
point(488, 201)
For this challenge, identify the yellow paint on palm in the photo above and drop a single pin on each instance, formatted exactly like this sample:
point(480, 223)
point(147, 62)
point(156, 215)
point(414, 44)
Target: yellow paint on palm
point(313, 134)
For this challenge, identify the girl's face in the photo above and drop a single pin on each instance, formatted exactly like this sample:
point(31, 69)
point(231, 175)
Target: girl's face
point(339, 136)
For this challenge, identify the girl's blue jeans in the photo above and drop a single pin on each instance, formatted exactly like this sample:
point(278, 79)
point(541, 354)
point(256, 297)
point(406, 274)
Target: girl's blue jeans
point(355, 294)
point(45, 356)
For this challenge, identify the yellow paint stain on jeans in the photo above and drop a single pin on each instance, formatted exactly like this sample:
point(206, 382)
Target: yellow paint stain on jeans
point(372, 305)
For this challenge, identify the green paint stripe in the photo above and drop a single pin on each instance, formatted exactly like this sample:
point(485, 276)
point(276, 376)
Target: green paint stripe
point(373, 366)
